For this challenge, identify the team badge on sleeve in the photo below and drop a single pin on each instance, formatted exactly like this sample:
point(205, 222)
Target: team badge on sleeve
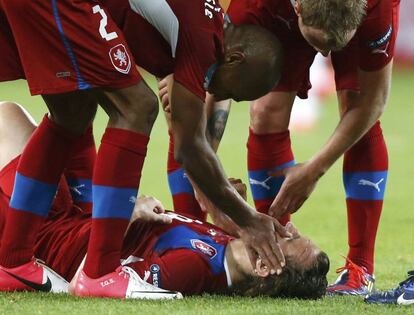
point(380, 45)
point(205, 248)
point(120, 58)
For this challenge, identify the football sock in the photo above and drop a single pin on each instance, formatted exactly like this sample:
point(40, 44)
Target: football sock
point(79, 170)
point(115, 182)
point(365, 176)
point(267, 153)
point(38, 173)
point(181, 189)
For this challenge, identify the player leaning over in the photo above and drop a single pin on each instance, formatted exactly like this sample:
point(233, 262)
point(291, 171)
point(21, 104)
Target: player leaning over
point(360, 35)
point(79, 59)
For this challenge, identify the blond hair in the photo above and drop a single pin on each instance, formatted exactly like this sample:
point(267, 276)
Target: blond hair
point(337, 18)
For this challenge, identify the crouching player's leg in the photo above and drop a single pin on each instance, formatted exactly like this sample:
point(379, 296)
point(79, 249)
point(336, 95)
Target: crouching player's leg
point(16, 127)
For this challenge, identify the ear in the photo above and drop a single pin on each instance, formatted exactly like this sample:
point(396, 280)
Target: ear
point(297, 7)
point(261, 269)
point(234, 58)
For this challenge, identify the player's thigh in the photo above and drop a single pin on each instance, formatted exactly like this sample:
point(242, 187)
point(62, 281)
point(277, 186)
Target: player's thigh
point(16, 127)
point(271, 113)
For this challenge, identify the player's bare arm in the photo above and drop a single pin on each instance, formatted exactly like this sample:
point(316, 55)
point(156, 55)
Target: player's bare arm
point(203, 166)
point(217, 112)
point(359, 112)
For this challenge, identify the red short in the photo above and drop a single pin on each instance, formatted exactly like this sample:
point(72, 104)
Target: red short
point(63, 46)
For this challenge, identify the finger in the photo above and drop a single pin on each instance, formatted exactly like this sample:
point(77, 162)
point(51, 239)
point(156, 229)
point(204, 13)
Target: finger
point(252, 256)
point(277, 254)
point(159, 206)
point(163, 218)
point(277, 209)
point(162, 84)
point(165, 102)
point(268, 260)
point(280, 229)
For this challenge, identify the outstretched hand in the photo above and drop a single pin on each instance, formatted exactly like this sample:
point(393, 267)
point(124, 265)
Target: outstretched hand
point(299, 183)
point(260, 239)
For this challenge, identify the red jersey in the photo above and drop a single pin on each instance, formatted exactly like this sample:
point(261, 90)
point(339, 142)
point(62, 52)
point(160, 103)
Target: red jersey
point(371, 48)
point(189, 51)
point(187, 255)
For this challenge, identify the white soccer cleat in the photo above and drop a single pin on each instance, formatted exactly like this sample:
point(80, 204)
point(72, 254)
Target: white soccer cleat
point(123, 283)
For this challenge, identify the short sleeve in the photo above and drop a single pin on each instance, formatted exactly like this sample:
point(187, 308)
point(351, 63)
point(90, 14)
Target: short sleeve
point(377, 35)
point(200, 44)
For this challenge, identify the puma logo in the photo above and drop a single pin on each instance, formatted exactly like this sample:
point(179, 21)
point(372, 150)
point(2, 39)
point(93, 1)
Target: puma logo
point(77, 189)
point(365, 182)
point(382, 51)
point(286, 22)
point(260, 183)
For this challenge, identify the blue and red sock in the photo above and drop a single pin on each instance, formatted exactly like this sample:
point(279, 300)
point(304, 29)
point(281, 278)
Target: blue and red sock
point(365, 177)
point(181, 189)
point(79, 170)
point(115, 184)
point(38, 173)
point(267, 153)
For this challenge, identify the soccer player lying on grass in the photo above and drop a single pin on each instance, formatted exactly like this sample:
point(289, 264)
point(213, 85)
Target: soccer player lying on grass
point(177, 253)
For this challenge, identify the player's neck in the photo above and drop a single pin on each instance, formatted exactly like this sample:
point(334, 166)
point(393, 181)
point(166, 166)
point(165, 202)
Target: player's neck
point(238, 261)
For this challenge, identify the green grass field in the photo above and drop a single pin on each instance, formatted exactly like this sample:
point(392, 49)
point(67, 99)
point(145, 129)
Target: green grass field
point(323, 217)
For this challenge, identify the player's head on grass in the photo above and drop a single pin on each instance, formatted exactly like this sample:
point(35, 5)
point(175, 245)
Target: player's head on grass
point(329, 24)
point(303, 277)
point(251, 64)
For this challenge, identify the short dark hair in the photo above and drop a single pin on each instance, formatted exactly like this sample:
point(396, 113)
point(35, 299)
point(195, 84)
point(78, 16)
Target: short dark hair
point(294, 282)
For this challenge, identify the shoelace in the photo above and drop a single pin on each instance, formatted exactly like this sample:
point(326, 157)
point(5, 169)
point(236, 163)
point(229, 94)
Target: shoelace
point(356, 273)
point(128, 272)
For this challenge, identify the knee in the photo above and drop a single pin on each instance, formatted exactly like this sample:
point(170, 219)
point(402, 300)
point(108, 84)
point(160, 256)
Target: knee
point(7, 107)
point(270, 114)
point(138, 113)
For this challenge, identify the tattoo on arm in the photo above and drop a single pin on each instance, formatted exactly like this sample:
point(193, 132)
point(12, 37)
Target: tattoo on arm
point(216, 124)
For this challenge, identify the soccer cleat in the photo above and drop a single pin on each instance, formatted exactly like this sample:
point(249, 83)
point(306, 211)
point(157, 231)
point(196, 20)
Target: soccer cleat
point(32, 276)
point(124, 283)
point(403, 294)
point(353, 280)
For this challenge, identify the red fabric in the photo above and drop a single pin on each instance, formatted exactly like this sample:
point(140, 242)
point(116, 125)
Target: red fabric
point(369, 154)
point(184, 203)
point(21, 227)
point(119, 164)
point(279, 17)
point(47, 65)
point(37, 162)
point(58, 233)
point(200, 41)
point(120, 158)
point(81, 163)
point(268, 151)
point(183, 271)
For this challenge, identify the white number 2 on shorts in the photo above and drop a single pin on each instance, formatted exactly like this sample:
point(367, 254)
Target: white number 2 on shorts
point(103, 24)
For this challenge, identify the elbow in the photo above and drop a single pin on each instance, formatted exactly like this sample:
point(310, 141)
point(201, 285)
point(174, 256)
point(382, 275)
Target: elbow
point(184, 151)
